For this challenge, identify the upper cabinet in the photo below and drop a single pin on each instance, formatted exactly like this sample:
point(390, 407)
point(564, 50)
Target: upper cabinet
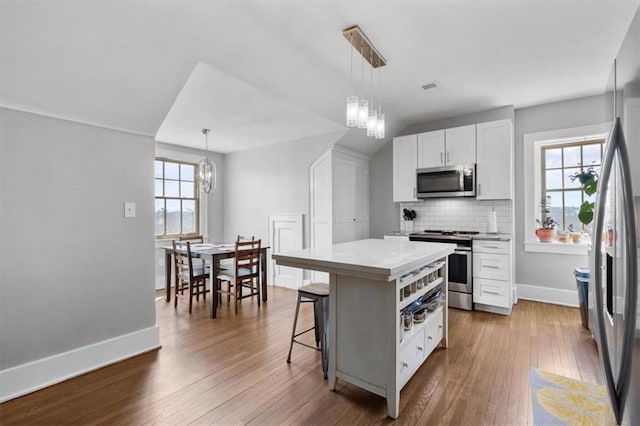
point(431, 149)
point(494, 165)
point(447, 147)
point(461, 145)
point(404, 168)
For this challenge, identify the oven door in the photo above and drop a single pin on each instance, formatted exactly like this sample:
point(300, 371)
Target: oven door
point(460, 272)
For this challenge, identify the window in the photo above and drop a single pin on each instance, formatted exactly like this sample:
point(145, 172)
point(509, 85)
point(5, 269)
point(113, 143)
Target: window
point(564, 196)
point(556, 151)
point(177, 207)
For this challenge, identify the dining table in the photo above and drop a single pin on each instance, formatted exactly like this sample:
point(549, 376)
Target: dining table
point(213, 253)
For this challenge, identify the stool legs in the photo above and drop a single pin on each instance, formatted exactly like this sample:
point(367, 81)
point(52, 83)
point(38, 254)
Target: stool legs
point(323, 325)
point(293, 332)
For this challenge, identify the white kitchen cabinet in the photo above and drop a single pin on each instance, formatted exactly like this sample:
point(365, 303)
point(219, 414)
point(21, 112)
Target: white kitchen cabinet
point(460, 144)
point(492, 275)
point(339, 188)
point(494, 166)
point(404, 168)
point(431, 149)
point(449, 147)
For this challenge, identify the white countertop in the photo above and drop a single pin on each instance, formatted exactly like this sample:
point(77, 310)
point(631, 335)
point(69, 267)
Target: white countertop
point(377, 259)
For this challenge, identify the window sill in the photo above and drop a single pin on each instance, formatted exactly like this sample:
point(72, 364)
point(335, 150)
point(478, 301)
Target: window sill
point(557, 248)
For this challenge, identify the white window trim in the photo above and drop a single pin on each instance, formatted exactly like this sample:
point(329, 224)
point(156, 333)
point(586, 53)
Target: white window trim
point(191, 158)
point(532, 144)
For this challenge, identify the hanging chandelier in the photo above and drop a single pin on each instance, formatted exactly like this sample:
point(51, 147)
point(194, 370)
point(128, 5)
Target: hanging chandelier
point(207, 176)
point(360, 112)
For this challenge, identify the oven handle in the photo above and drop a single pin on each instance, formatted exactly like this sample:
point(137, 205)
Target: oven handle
point(463, 250)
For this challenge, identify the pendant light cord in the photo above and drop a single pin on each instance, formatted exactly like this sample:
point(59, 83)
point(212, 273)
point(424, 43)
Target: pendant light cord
point(379, 95)
point(351, 64)
point(362, 66)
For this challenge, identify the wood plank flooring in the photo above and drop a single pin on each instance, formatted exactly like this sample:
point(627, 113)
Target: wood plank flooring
point(233, 370)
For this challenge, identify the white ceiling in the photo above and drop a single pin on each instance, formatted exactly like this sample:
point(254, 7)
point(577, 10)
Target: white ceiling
point(134, 65)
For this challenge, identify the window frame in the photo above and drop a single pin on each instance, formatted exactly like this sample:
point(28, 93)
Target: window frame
point(532, 143)
point(563, 190)
point(196, 198)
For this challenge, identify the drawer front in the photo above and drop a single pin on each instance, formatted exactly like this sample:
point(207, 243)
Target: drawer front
point(498, 247)
point(433, 331)
point(491, 292)
point(491, 266)
point(410, 357)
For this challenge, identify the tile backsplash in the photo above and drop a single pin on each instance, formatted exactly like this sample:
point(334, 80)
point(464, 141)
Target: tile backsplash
point(462, 214)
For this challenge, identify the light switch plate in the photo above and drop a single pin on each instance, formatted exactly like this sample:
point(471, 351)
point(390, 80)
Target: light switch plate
point(129, 209)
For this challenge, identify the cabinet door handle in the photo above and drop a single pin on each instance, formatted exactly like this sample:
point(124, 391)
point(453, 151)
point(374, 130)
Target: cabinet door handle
point(405, 365)
point(492, 292)
point(441, 162)
point(493, 247)
point(491, 266)
point(448, 157)
point(420, 348)
point(479, 189)
point(414, 192)
point(429, 337)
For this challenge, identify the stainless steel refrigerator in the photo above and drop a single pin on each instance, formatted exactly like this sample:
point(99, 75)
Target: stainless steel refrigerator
point(613, 296)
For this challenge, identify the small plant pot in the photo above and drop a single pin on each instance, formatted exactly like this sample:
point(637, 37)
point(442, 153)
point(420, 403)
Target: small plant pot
point(576, 237)
point(545, 235)
point(564, 238)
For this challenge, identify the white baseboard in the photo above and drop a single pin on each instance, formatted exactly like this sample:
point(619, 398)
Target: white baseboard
point(32, 376)
point(547, 295)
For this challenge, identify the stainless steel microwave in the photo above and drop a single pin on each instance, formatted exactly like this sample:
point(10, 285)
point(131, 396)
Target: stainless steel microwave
point(450, 181)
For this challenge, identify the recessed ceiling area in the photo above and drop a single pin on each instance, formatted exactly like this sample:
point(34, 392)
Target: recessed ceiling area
point(239, 115)
point(125, 64)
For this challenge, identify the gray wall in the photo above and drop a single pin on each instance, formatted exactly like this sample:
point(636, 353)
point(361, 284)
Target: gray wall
point(384, 214)
point(269, 181)
point(73, 271)
point(541, 269)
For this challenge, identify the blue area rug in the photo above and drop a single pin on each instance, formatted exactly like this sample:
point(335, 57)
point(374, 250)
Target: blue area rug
point(558, 400)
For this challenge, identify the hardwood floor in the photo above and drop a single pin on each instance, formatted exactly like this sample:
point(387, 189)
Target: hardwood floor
point(233, 370)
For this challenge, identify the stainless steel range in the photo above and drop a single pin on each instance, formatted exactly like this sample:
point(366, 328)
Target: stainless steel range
point(460, 264)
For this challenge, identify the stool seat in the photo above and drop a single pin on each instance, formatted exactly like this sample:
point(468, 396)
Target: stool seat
point(318, 294)
point(317, 289)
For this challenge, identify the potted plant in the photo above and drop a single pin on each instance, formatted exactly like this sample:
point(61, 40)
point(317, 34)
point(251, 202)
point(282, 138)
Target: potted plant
point(545, 232)
point(589, 180)
point(564, 236)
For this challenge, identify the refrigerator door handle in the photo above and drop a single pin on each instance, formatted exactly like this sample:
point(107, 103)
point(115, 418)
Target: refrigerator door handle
point(618, 389)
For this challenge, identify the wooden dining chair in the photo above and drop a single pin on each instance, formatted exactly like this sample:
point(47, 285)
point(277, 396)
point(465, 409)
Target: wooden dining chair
point(227, 263)
point(188, 275)
point(244, 275)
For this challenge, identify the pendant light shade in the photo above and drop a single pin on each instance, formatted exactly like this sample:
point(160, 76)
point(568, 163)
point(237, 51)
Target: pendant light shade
point(380, 126)
point(352, 111)
point(207, 170)
point(363, 113)
point(372, 123)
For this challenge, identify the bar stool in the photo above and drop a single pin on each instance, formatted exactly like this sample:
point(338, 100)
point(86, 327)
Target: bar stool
point(318, 294)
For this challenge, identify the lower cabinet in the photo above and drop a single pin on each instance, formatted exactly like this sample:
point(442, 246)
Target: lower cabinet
point(417, 347)
point(492, 273)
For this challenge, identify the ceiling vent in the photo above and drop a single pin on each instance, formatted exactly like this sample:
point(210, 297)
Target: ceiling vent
point(434, 86)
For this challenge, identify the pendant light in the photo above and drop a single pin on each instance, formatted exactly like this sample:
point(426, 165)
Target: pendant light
point(363, 104)
point(207, 176)
point(380, 120)
point(352, 100)
point(360, 113)
point(372, 121)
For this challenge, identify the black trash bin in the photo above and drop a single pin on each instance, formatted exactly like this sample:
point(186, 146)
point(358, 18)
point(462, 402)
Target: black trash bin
point(582, 281)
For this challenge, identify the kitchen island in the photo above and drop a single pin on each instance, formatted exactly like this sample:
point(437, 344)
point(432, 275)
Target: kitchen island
point(371, 282)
